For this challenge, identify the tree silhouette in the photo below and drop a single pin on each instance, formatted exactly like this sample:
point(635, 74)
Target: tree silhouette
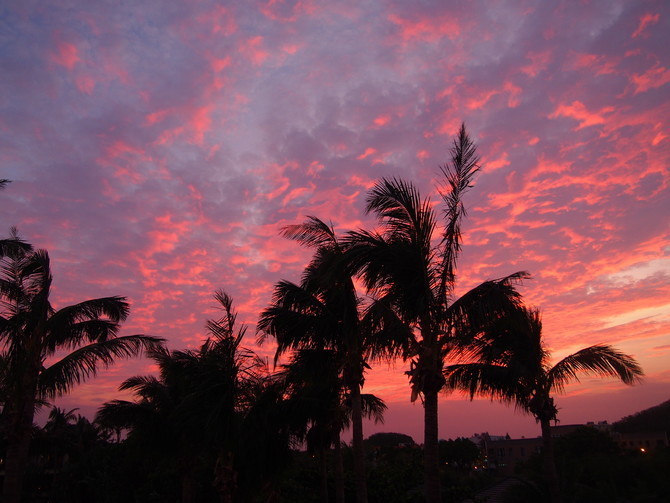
point(33, 334)
point(196, 410)
point(323, 313)
point(514, 367)
point(406, 269)
point(321, 408)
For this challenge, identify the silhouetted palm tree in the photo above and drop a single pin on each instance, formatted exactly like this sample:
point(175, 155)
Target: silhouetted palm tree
point(514, 367)
point(321, 407)
point(33, 333)
point(196, 405)
point(406, 269)
point(323, 312)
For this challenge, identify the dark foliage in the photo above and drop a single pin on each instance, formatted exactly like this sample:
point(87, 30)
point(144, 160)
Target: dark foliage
point(653, 419)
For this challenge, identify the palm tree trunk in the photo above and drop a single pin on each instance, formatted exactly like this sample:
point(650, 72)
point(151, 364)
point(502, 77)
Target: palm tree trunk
point(339, 472)
point(18, 446)
point(188, 486)
point(225, 478)
point(357, 444)
point(430, 448)
point(550, 473)
point(323, 466)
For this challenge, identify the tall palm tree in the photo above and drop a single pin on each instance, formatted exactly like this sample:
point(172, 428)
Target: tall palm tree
point(323, 312)
point(407, 268)
point(33, 334)
point(515, 367)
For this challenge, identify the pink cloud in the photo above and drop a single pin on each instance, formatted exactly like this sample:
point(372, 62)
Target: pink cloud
point(578, 111)
point(657, 76)
point(287, 11)
point(646, 21)
point(538, 62)
point(253, 50)
point(85, 83)
point(426, 28)
point(201, 123)
point(65, 54)
point(604, 65)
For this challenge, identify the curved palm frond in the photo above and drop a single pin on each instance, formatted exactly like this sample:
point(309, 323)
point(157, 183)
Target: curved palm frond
point(407, 217)
point(388, 335)
point(123, 414)
point(480, 311)
point(94, 320)
point(83, 362)
point(313, 233)
point(498, 382)
point(295, 318)
point(373, 407)
point(598, 360)
point(146, 387)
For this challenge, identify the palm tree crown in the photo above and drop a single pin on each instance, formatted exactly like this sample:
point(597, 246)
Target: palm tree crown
point(411, 269)
point(324, 312)
point(514, 366)
point(33, 337)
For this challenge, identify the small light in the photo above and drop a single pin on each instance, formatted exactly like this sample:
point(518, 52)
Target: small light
point(642, 449)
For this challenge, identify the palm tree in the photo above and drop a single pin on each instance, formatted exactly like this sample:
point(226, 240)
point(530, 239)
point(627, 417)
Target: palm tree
point(403, 267)
point(33, 334)
point(323, 312)
point(514, 367)
point(196, 405)
point(321, 407)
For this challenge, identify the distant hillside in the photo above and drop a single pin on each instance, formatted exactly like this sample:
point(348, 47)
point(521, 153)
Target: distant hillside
point(652, 419)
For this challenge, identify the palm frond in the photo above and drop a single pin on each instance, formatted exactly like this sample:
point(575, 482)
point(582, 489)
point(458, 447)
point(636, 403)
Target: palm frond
point(82, 363)
point(458, 175)
point(373, 407)
point(387, 335)
point(482, 311)
point(14, 248)
point(484, 379)
point(598, 360)
point(122, 414)
point(293, 317)
point(405, 215)
point(312, 233)
point(116, 309)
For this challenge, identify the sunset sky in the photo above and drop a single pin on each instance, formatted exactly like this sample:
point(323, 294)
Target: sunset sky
point(156, 149)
